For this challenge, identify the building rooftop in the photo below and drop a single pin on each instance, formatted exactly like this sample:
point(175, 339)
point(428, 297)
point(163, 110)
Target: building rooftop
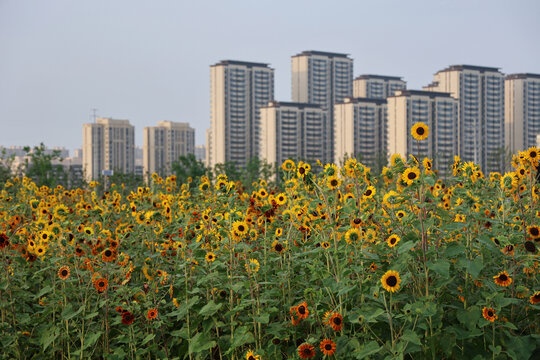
point(382, 77)
point(243, 63)
point(322, 53)
point(419, 93)
point(275, 103)
point(470, 67)
point(356, 100)
point(522, 76)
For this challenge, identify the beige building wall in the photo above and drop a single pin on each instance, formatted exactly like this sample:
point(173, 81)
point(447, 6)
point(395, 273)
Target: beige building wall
point(164, 144)
point(480, 94)
point(108, 144)
point(293, 131)
point(238, 90)
point(522, 111)
point(360, 131)
point(377, 86)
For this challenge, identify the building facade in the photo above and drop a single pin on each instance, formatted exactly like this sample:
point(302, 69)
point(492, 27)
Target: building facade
point(377, 86)
point(480, 94)
point(293, 131)
point(164, 144)
point(108, 144)
point(323, 79)
point(360, 131)
point(521, 111)
point(439, 111)
point(238, 90)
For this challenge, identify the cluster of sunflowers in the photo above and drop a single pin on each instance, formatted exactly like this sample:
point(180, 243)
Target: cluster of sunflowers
point(330, 262)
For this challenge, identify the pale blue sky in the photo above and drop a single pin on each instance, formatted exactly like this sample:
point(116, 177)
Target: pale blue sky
point(148, 61)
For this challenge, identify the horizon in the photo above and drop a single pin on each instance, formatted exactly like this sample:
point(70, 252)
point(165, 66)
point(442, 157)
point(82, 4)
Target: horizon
point(153, 60)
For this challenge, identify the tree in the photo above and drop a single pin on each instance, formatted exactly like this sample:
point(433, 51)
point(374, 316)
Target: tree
point(188, 166)
point(39, 167)
point(5, 166)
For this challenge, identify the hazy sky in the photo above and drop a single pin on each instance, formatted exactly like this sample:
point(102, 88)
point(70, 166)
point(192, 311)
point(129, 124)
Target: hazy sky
point(148, 61)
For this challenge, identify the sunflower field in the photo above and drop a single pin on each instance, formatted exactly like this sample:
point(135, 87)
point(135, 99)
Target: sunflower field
point(329, 264)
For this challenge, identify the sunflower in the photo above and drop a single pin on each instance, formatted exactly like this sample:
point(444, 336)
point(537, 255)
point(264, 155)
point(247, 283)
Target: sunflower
point(533, 154)
point(306, 351)
point(369, 193)
point(489, 314)
point(277, 247)
point(101, 284)
point(328, 347)
point(535, 298)
point(420, 131)
point(288, 165)
point(303, 169)
point(281, 199)
point(108, 255)
point(373, 267)
point(333, 182)
point(4, 241)
point(391, 280)
point(240, 228)
point(302, 310)
point(336, 321)
point(410, 175)
point(88, 230)
point(278, 232)
point(325, 245)
point(250, 355)
point(353, 235)
point(533, 231)
point(63, 272)
point(503, 279)
point(252, 265)
point(210, 256)
point(40, 250)
point(530, 247)
point(393, 240)
point(400, 214)
point(127, 318)
point(152, 314)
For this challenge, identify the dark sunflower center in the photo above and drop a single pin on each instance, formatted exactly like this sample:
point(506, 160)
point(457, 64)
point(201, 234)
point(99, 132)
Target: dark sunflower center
point(328, 347)
point(306, 351)
point(368, 192)
point(279, 247)
point(301, 170)
point(391, 281)
point(392, 241)
point(241, 228)
point(44, 236)
point(503, 277)
point(337, 321)
point(400, 214)
point(251, 358)
point(333, 182)
point(108, 253)
point(533, 154)
point(64, 272)
point(420, 130)
point(101, 284)
point(357, 221)
point(411, 176)
point(302, 309)
point(490, 313)
point(354, 236)
point(534, 231)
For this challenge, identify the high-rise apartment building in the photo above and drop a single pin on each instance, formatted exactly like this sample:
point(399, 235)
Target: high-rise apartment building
point(521, 111)
point(108, 144)
point(237, 91)
point(293, 130)
point(324, 79)
point(360, 131)
point(377, 86)
point(480, 94)
point(439, 111)
point(164, 144)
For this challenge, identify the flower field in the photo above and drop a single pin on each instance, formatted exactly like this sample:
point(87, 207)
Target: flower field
point(337, 264)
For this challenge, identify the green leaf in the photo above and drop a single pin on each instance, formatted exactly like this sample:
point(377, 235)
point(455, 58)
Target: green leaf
point(369, 349)
point(454, 249)
point(241, 336)
point(68, 312)
point(47, 289)
point(148, 338)
point(210, 309)
point(49, 336)
point(406, 246)
point(473, 266)
point(263, 318)
point(441, 267)
point(200, 343)
point(91, 338)
point(411, 336)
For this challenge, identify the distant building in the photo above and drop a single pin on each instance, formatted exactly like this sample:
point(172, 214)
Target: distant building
point(522, 111)
point(237, 91)
point(480, 94)
point(200, 153)
point(439, 111)
point(108, 144)
point(377, 86)
point(164, 144)
point(360, 131)
point(293, 131)
point(324, 79)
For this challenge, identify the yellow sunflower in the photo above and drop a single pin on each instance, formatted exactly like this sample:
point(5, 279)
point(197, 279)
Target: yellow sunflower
point(420, 131)
point(390, 281)
point(410, 175)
